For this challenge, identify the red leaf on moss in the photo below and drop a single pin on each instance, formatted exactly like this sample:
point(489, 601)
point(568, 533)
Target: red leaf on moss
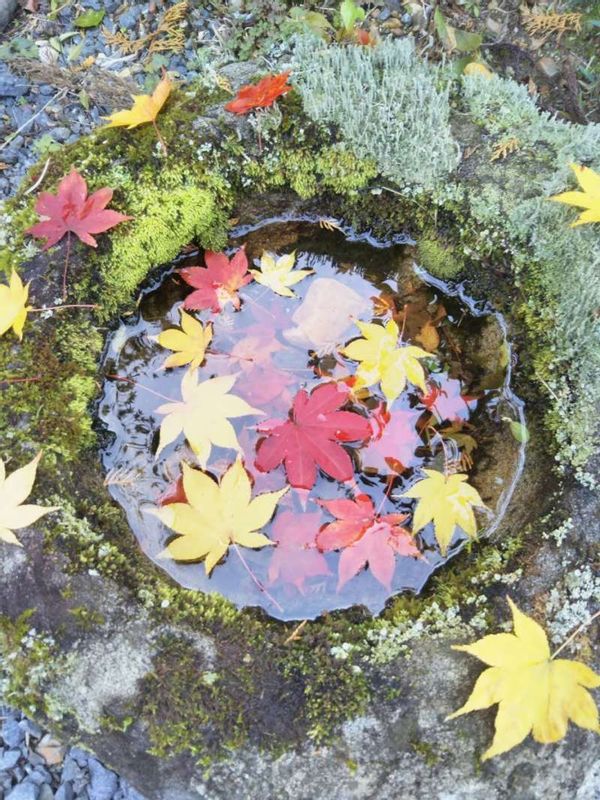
point(217, 283)
point(260, 95)
point(296, 556)
point(365, 538)
point(70, 210)
point(311, 437)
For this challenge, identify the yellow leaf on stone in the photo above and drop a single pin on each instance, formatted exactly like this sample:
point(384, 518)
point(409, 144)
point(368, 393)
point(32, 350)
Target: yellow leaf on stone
point(13, 305)
point(448, 501)
point(279, 274)
point(217, 515)
point(383, 361)
point(14, 490)
point(203, 416)
point(589, 198)
point(534, 692)
point(145, 107)
point(189, 343)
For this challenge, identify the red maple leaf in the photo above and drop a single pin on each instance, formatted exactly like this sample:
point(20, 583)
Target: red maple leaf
point(70, 210)
point(259, 95)
point(394, 441)
point(296, 556)
point(218, 282)
point(446, 401)
point(365, 538)
point(310, 437)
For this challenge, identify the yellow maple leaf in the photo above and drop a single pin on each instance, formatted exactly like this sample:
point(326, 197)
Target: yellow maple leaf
point(14, 490)
point(448, 500)
point(189, 343)
point(217, 515)
point(535, 692)
point(277, 274)
point(384, 362)
point(589, 198)
point(13, 305)
point(203, 416)
point(145, 107)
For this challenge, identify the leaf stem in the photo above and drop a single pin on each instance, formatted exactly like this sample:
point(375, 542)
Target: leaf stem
point(159, 137)
point(261, 587)
point(575, 633)
point(141, 386)
point(60, 308)
point(21, 380)
point(66, 269)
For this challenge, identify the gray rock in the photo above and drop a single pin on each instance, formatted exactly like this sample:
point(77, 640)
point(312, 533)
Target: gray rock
point(9, 759)
point(128, 18)
point(24, 791)
point(61, 134)
point(103, 783)
point(8, 9)
point(46, 793)
point(65, 792)
point(31, 727)
point(11, 733)
point(12, 85)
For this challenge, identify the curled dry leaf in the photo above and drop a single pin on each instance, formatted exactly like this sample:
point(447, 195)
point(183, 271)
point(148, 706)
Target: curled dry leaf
point(14, 490)
point(535, 692)
point(217, 515)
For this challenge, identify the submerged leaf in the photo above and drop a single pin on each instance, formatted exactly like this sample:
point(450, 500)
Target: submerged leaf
point(535, 693)
point(296, 557)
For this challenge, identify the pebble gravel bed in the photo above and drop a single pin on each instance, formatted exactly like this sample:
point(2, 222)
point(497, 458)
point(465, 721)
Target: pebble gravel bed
point(35, 766)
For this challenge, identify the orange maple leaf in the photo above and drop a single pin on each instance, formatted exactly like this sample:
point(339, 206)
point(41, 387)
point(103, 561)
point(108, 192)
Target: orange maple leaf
point(259, 95)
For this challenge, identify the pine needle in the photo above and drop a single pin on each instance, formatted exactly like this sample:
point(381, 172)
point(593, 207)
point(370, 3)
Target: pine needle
point(505, 148)
point(168, 35)
point(545, 25)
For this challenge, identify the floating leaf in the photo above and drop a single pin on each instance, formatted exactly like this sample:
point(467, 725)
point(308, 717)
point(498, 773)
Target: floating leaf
point(145, 107)
point(203, 416)
point(311, 437)
point(365, 537)
point(189, 344)
point(535, 692)
point(89, 19)
point(279, 274)
point(217, 515)
point(13, 305)
point(589, 198)
point(383, 361)
point(448, 500)
point(260, 95)
point(70, 210)
point(14, 490)
point(519, 431)
point(216, 284)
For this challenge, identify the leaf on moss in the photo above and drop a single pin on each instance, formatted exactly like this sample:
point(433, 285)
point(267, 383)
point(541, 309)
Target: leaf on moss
point(14, 490)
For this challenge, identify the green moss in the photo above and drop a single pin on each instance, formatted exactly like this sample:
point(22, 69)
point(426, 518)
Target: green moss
point(439, 259)
point(87, 618)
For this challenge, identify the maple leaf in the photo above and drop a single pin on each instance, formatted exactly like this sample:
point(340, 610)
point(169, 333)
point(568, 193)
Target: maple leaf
point(145, 107)
point(296, 556)
point(589, 198)
point(277, 274)
point(217, 515)
point(14, 490)
point(448, 500)
point(218, 282)
point(382, 361)
point(535, 692)
point(203, 416)
point(189, 343)
point(445, 399)
point(260, 381)
point(310, 437)
point(259, 95)
point(365, 538)
point(13, 305)
point(394, 441)
point(70, 210)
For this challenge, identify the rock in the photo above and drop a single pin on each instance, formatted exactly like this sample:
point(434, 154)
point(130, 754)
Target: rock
point(65, 792)
point(103, 783)
point(9, 759)
point(24, 791)
point(128, 18)
point(11, 732)
point(495, 26)
point(46, 793)
point(12, 85)
point(7, 11)
point(61, 134)
point(30, 727)
point(51, 750)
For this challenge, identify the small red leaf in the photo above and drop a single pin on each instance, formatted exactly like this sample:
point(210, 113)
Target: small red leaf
point(260, 95)
point(296, 556)
point(70, 210)
point(217, 283)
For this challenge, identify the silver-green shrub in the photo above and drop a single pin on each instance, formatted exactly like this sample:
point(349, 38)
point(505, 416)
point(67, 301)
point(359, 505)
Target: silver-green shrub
point(388, 105)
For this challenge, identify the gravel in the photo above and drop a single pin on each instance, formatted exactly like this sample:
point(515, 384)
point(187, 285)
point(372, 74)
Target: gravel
point(26, 775)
